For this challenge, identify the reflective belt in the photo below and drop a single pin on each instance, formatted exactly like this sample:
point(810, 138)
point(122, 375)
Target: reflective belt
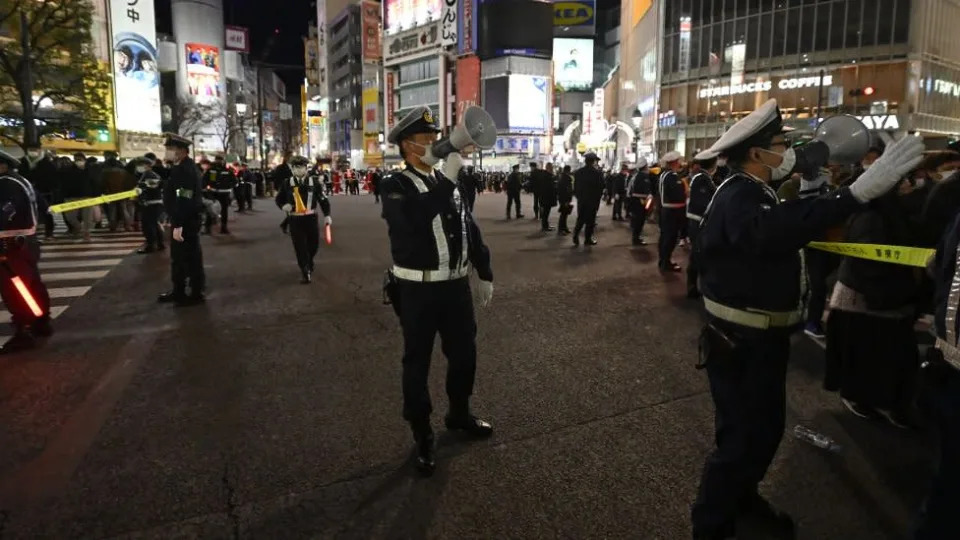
point(752, 318)
point(157, 201)
point(225, 191)
point(443, 274)
point(185, 193)
point(694, 217)
point(950, 353)
point(18, 232)
point(640, 196)
point(673, 205)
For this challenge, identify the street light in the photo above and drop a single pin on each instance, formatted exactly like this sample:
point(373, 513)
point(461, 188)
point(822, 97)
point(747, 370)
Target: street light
point(637, 117)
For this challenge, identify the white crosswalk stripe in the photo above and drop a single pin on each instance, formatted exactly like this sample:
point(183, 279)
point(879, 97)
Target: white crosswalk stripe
point(70, 267)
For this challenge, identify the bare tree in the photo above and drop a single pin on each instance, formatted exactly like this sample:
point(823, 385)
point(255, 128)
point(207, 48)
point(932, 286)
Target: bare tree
point(50, 80)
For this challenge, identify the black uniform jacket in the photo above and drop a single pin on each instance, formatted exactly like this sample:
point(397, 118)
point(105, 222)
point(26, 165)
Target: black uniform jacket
point(544, 186)
point(181, 195)
point(944, 271)
point(514, 182)
point(671, 190)
point(749, 242)
point(588, 186)
point(18, 206)
point(428, 223)
point(151, 188)
point(620, 184)
point(702, 189)
point(640, 185)
point(311, 193)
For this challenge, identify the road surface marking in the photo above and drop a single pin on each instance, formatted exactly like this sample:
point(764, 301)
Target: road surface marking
point(82, 246)
point(73, 276)
point(67, 265)
point(55, 312)
point(67, 292)
point(95, 253)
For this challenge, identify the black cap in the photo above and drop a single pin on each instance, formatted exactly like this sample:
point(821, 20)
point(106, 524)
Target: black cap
point(151, 156)
point(176, 141)
point(590, 156)
point(419, 120)
point(299, 161)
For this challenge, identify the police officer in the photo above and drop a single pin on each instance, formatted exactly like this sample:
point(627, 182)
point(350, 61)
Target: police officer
point(564, 199)
point(150, 195)
point(244, 189)
point(750, 278)
point(640, 198)
point(468, 185)
point(672, 215)
point(224, 182)
point(299, 197)
point(545, 187)
point(20, 252)
point(620, 191)
point(434, 242)
point(182, 202)
point(514, 185)
point(588, 187)
point(701, 191)
point(941, 375)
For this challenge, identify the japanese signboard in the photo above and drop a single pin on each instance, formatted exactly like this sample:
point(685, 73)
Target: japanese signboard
point(370, 29)
point(370, 99)
point(467, 26)
point(448, 23)
point(411, 42)
point(468, 84)
point(135, 75)
point(236, 39)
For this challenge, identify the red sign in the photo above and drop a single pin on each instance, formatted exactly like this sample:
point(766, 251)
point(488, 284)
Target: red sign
point(468, 84)
point(390, 107)
point(370, 30)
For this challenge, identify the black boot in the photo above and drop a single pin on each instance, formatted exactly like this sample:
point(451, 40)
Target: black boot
point(42, 327)
point(171, 296)
point(462, 420)
point(192, 300)
point(306, 275)
point(425, 450)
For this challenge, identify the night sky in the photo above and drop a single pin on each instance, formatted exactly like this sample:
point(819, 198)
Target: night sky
point(264, 18)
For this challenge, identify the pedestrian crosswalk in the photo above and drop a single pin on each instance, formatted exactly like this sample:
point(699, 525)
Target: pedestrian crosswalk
point(70, 267)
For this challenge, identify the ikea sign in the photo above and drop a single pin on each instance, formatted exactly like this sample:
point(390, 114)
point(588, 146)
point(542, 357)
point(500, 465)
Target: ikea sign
point(575, 14)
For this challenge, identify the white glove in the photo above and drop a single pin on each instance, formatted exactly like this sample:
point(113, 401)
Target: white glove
point(287, 208)
point(451, 166)
point(328, 220)
point(485, 292)
point(139, 191)
point(178, 234)
point(899, 159)
point(811, 188)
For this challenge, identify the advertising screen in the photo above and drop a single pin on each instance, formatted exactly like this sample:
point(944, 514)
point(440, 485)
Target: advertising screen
point(573, 63)
point(528, 104)
point(406, 14)
point(494, 98)
point(515, 27)
point(203, 71)
point(135, 74)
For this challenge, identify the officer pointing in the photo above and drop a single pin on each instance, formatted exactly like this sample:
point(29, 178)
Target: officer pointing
point(435, 243)
point(749, 246)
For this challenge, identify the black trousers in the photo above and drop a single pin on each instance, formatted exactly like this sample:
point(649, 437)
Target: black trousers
point(186, 261)
point(820, 265)
point(693, 269)
point(747, 384)
point(618, 207)
point(426, 309)
point(562, 222)
point(22, 262)
point(638, 217)
point(150, 224)
point(244, 195)
point(545, 217)
point(671, 223)
point(586, 217)
point(536, 204)
point(305, 234)
point(513, 198)
point(471, 198)
point(224, 199)
point(48, 223)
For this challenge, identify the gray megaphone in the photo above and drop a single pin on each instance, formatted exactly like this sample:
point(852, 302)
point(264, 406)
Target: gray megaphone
point(476, 129)
point(839, 139)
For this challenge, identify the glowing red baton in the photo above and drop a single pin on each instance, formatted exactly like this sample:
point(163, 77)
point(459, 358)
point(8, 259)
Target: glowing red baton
point(27, 297)
point(329, 234)
point(649, 202)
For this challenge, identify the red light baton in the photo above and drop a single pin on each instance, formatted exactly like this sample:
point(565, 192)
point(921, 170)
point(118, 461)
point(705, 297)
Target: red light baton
point(329, 234)
point(27, 297)
point(649, 203)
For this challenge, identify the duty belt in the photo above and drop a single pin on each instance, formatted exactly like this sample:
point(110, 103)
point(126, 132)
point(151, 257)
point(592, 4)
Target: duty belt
point(694, 217)
point(950, 353)
point(152, 202)
point(442, 274)
point(225, 190)
point(752, 318)
point(185, 193)
point(673, 205)
point(13, 233)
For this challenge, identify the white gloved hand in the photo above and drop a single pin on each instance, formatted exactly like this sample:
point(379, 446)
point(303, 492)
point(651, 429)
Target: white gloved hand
point(451, 166)
point(899, 159)
point(485, 292)
point(178, 234)
point(287, 208)
point(139, 191)
point(328, 220)
point(812, 188)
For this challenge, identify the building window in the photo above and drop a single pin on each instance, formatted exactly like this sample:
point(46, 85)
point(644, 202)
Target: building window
point(779, 33)
point(854, 23)
point(901, 28)
point(885, 22)
point(837, 26)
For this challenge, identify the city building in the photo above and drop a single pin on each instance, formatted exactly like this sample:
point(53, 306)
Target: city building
point(345, 68)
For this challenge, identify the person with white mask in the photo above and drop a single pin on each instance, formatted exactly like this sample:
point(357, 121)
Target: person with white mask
point(300, 196)
point(182, 202)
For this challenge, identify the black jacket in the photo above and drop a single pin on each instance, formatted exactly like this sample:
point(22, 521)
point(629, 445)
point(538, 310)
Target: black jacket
point(620, 184)
point(588, 186)
point(565, 188)
point(640, 188)
point(749, 242)
point(311, 193)
point(424, 214)
point(182, 197)
point(77, 183)
point(151, 188)
point(544, 185)
point(514, 182)
point(944, 268)
point(19, 206)
point(671, 190)
point(702, 189)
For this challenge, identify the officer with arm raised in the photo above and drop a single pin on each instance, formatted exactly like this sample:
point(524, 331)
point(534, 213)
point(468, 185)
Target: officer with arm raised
point(434, 242)
point(749, 249)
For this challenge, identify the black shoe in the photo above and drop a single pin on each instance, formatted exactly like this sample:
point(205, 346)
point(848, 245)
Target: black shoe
point(224, 231)
point(306, 277)
point(172, 296)
point(576, 240)
point(672, 267)
point(548, 229)
point(20, 341)
point(469, 424)
point(520, 216)
point(590, 242)
point(639, 242)
point(759, 515)
point(725, 532)
point(42, 327)
point(192, 300)
point(145, 250)
point(425, 452)
point(563, 232)
point(284, 229)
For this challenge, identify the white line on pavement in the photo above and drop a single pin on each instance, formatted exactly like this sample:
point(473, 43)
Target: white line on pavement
point(67, 265)
point(55, 312)
point(73, 276)
point(78, 254)
point(67, 247)
point(67, 292)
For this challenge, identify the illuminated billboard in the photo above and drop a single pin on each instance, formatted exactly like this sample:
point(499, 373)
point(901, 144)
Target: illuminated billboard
point(406, 14)
point(135, 74)
point(573, 63)
point(203, 71)
point(527, 104)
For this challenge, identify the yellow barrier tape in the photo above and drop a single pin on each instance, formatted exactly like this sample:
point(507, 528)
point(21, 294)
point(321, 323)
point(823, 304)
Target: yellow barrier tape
point(909, 256)
point(83, 203)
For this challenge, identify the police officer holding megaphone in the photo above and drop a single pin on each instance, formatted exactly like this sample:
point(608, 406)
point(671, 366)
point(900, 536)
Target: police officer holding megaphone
point(435, 244)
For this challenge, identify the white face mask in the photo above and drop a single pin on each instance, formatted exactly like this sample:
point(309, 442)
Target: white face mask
point(919, 183)
point(721, 162)
point(33, 154)
point(142, 169)
point(170, 155)
point(299, 172)
point(947, 173)
point(865, 165)
point(786, 166)
point(80, 164)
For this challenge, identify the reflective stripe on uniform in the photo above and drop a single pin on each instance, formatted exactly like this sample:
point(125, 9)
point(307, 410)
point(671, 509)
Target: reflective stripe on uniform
point(950, 353)
point(953, 299)
point(443, 251)
point(18, 232)
point(752, 318)
point(443, 274)
point(694, 217)
point(149, 203)
point(673, 205)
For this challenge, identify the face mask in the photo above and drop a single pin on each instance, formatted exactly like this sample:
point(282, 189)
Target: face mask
point(786, 166)
point(299, 172)
point(918, 183)
point(865, 165)
point(33, 154)
point(947, 173)
point(142, 169)
point(80, 164)
point(170, 155)
point(721, 162)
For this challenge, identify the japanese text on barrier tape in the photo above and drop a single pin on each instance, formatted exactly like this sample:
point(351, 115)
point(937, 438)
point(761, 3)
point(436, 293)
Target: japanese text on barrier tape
point(905, 255)
point(93, 201)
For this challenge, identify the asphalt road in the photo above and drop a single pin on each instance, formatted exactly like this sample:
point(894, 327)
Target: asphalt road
point(274, 410)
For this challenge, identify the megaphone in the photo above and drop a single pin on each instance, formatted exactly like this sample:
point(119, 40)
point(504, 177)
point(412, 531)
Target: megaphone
point(476, 129)
point(839, 139)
